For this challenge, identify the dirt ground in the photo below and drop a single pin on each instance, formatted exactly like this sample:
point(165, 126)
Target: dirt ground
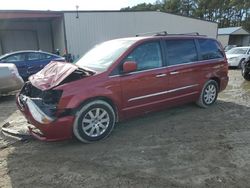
point(184, 146)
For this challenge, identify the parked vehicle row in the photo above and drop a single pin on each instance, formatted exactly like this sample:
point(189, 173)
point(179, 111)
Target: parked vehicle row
point(29, 62)
point(120, 79)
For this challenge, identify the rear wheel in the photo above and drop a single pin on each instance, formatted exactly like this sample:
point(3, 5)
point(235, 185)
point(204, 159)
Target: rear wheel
point(94, 121)
point(208, 94)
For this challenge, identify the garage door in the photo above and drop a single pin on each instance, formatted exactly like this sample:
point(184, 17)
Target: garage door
point(18, 40)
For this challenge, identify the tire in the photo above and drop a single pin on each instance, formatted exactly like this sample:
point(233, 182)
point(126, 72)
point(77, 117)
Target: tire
point(245, 74)
point(240, 64)
point(208, 94)
point(94, 121)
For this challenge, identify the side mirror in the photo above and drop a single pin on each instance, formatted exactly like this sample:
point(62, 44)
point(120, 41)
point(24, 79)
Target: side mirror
point(129, 66)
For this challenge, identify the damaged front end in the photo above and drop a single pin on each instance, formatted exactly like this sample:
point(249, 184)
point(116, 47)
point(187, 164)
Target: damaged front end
point(41, 104)
point(39, 100)
point(40, 109)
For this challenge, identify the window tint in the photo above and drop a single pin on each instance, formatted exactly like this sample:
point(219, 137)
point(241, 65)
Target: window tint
point(33, 56)
point(181, 51)
point(45, 56)
point(210, 49)
point(147, 56)
point(15, 58)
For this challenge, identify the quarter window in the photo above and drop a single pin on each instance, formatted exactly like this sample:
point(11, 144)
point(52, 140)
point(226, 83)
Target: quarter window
point(210, 49)
point(147, 56)
point(181, 51)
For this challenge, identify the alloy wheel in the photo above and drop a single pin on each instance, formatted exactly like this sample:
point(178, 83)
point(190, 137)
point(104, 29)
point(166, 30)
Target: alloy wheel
point(95, 122)
point(210, 94)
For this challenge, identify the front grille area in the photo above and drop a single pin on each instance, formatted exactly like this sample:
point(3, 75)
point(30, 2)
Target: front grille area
point(47, 100)
point(48, 97)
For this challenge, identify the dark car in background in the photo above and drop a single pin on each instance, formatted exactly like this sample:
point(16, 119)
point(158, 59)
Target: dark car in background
point(245, 71)
point(29, 62)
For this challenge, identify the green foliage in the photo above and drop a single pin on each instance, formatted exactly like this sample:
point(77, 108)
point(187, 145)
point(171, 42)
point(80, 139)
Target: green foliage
point(227, 13)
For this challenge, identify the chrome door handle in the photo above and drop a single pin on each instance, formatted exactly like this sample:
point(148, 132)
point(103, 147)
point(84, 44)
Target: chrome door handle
point(174, 72)
point(160, 75)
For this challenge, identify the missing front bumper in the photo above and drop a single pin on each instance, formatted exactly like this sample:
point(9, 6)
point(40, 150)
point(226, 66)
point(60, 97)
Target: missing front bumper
point(34, 110)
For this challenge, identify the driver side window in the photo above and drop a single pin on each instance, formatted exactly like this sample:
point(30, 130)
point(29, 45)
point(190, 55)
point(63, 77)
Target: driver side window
point(147, 56)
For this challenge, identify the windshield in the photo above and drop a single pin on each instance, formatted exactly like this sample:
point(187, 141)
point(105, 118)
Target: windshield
point(237, 51)
point(2, 56)
point(103, 55)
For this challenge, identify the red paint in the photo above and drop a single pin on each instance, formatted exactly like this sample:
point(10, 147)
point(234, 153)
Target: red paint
point(60, 129)
point(52, 74)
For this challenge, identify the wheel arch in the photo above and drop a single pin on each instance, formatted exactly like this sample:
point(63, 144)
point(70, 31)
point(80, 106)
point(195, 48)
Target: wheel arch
point(217, 81)
point(241, 61)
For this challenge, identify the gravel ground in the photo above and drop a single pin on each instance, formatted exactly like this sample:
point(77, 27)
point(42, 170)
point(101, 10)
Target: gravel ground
point(184, 146)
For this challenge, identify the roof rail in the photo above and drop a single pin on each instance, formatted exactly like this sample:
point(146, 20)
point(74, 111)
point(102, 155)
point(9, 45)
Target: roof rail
point(164, 33)
point(189, 34)
point(161, 33)
point(193, 33)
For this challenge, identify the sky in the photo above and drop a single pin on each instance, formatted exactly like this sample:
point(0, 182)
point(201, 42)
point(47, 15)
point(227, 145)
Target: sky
point(68, 4)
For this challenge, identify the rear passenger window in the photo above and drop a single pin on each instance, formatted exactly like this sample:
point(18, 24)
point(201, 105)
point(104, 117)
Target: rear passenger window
point(181, 51)
point(45, 56)
point(33, 56)
point(210, 49)
point(147, 56)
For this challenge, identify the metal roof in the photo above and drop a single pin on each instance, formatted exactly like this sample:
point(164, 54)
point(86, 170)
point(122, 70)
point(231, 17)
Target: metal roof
point(230, 30)
point(21, 14)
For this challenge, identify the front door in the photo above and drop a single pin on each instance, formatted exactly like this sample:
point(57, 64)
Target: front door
point(144, 89)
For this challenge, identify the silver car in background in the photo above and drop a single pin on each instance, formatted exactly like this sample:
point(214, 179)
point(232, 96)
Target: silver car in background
point(10, 80)
point(236, 56)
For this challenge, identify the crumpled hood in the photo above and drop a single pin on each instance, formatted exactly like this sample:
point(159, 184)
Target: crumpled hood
point(52, 75)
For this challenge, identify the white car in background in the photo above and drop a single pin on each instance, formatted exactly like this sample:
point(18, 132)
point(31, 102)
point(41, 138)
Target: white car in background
point(10, 80)
point(237, 55)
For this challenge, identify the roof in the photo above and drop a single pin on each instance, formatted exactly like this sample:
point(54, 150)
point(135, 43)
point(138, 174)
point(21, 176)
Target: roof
point(27, 51)
point(10, 14)
point(232, 31)
point(28, 14)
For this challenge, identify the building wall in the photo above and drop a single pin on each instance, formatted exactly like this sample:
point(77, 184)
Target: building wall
point(246, 40)
point(224, 39)
point(41, 30)
point(58, 35)
point(94, 27)
point(239, 40)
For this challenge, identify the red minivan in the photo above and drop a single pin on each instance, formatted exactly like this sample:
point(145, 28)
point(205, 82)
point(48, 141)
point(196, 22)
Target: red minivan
point(120, 79)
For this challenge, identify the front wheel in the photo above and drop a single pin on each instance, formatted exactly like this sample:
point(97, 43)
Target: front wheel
point(240, 64)
point(94, 121)
point(208, 94)
point(245, 74)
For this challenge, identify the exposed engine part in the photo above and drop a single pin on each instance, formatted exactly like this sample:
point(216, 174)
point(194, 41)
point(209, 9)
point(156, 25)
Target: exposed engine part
point(46, 97)
point(77, 75)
